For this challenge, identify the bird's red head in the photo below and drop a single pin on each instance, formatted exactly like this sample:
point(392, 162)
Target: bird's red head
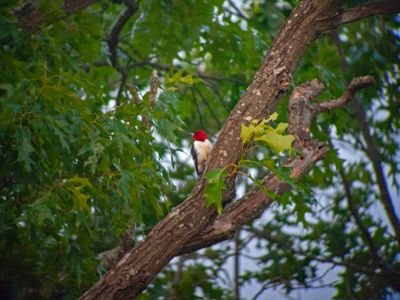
point(200, 135)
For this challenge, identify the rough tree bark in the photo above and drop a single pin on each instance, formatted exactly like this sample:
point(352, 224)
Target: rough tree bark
point(186, 224)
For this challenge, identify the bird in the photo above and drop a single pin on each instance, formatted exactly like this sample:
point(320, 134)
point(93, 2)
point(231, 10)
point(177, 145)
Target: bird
point(201, 150)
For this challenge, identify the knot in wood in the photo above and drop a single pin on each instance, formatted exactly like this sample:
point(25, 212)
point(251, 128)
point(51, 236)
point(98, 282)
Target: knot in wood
point(284, 80)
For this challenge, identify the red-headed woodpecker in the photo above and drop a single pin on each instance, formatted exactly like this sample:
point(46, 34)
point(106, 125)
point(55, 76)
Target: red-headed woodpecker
point(200, 150)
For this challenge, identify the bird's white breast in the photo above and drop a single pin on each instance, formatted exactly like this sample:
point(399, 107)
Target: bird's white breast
point(203, 150)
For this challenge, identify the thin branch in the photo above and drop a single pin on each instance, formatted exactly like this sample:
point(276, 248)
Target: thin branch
point(112, 42)
point(215, 88)
point(355, 85)
point(239, 12)
point(210, 109)
point(375, 157)
point(354, 212)
point(286, 246)
point(199, 113)
point(367, 10)
point(165, 67)
point(218, 78)
point(372, 152)
point(120, 89)
point(113, 37)
point(236, 266)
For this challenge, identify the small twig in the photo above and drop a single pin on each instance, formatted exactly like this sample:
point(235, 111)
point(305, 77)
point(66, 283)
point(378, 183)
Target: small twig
point(219, 124)
point(199, 113)
point(165, 67)
point(365, 235)
point(215, 88)
point(112, 42)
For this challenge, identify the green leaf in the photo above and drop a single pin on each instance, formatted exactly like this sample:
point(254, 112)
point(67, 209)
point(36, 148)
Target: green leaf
point(245, 163)
point(79, 187)
point(246, 133)
point(79, 199)
point(281, 128)
point(24, 148)
point(178, 78)
point(272, 117)
point(276, 141)
point(215, 186)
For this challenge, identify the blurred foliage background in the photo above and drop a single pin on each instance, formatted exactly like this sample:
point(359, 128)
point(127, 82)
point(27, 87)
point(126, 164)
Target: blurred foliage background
point(86, 156)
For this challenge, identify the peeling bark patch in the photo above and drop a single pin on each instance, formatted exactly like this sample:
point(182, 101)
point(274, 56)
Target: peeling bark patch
point(248, 118)
point(278, 70)
point(223, 153)
point(123, 260)
point(256, 92)
point(132, 272)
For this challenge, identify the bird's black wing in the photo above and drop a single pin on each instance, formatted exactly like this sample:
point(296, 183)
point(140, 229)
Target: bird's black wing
point(194, 155)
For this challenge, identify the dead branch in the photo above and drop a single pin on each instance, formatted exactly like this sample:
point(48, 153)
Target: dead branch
point(355, 85)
